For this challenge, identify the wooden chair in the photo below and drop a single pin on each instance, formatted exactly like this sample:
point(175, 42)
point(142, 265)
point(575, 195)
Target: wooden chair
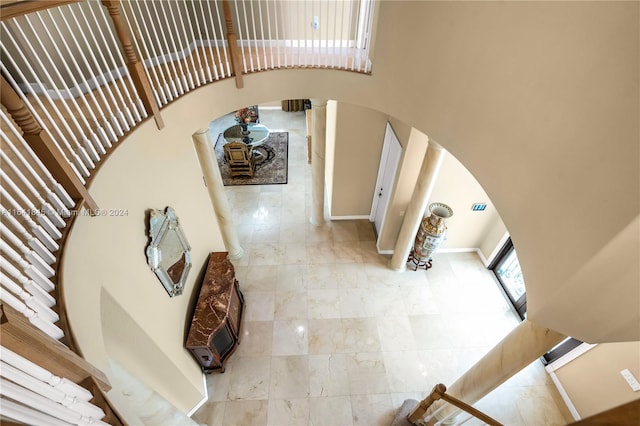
point(240, 159)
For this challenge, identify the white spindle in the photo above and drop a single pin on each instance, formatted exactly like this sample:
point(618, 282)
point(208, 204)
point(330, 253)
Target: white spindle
point(255, 37)
point(288, 45)
point(105, 130)
point(213, 58)
point(67, 386)
point(156, 57)
point(244, 56)
point(311, 60)
point(335, 35)
point(280, 32)
point(183, 85)
point(136, 107)
point(45, 326)
point(305, 15)
point(224, 61)
point(110, 122)
point(101, 139)
point(247, 46)
point(298, 35)
point(42, 219)
point(206, 63)
point(38, 292)
point(327, 39)
point(77, 162)
point(81, 407)
point(27, 415)
point(189, 54)
point(266, 5)
point(33, 242)
point(104, 70)
point(32, 399)
point(91, 150)
point(264, 47)
point(30, 300)
point(31, 271)
point(53, 215)
point(434, 412)
point(158, 90)
point(344, 41)
point(59, 190)
point(367, 48)
point(33, 257)
point(220, 63)
point(350, 31)
point(200, 71)
point(166, 54)
point(34, 177)
point(47, 235)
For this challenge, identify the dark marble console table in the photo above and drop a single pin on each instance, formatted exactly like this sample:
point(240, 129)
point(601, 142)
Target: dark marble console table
point(214, 333)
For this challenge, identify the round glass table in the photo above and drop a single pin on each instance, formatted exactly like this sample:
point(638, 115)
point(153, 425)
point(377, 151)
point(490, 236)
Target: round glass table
point(258, 134)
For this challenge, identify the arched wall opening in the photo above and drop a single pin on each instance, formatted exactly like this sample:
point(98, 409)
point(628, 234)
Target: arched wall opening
point(515, 104)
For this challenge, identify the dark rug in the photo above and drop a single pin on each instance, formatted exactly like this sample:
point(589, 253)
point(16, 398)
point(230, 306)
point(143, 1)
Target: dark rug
point(270, 169)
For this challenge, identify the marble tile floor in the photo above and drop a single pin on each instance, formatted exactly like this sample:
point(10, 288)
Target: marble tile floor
point(331, 336)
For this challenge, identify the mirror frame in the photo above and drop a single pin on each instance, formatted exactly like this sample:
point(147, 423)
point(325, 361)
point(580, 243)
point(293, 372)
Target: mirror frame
point(160, 225)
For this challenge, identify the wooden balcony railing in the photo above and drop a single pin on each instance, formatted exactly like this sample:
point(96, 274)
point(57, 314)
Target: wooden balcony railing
point(78, 76)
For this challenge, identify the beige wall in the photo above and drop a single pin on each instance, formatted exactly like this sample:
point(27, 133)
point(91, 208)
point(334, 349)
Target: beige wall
point(358, 146)
point(529, 96)
point(593, 381)
point(457, 188)
point(150, 169)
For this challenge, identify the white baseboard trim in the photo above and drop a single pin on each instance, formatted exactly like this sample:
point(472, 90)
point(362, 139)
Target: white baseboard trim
point(565, 396)
point(353, 217)
point(560, 362)
point(569, 356)
point(204, 399)
point(467, 250)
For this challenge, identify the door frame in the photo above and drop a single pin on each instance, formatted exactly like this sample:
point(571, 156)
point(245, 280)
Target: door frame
point(389, 150)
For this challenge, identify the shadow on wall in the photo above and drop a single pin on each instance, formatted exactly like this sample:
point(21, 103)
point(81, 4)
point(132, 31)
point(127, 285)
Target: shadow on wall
point(129, 348)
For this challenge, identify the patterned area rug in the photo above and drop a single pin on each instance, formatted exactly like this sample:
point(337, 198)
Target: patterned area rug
point(271, 163)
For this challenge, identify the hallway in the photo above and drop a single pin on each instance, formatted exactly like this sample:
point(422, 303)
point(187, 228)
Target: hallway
point(331, 336)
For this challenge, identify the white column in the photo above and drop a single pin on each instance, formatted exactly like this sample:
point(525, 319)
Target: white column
point(215, 187)
point(417, 206)
point(318, 150)
point(522, 346)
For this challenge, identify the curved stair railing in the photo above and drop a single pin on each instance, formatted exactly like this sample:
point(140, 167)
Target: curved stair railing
point(76, 78)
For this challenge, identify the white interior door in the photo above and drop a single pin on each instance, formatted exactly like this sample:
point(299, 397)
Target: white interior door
point(391, 151)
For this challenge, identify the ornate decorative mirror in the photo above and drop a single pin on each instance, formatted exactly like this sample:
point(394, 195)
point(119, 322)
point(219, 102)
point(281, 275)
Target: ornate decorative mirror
point(168, 252)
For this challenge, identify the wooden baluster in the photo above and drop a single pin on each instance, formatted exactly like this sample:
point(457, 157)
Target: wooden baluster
point(44, 147)
point(135, 67)
point(421, 409)
point(232, 38)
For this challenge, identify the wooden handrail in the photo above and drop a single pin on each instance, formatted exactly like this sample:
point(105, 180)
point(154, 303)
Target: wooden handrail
point(232, 38)
point(12, 8)
point(44, 147)
point(20, 336)
point(439, 392)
